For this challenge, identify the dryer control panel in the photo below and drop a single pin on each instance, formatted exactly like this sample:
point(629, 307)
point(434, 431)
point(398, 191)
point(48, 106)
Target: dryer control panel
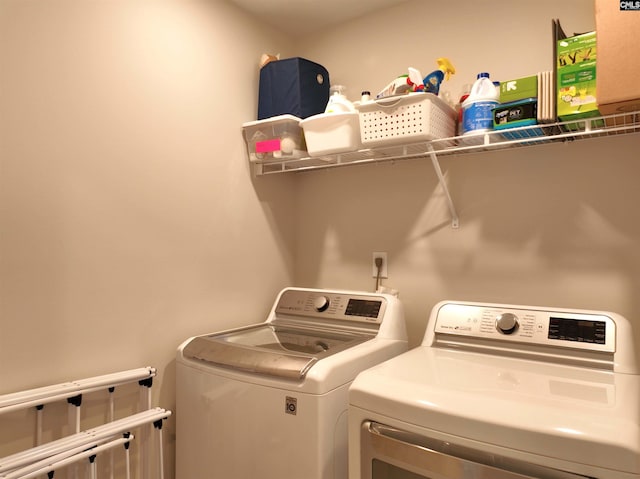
point(553, 328)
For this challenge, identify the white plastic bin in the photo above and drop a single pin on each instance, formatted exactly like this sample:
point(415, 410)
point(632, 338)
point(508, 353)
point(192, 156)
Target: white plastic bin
point(409, 118)
point(276, 138)
point(331, 133)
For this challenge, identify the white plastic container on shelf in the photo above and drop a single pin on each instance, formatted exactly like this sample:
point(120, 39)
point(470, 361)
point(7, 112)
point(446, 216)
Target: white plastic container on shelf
point(331, 133)
point(402, 119)
point(477, 109)
point(276, 138)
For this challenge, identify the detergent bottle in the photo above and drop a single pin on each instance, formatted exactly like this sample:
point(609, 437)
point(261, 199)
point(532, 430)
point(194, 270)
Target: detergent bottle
point(338, 102)
point(477, 109)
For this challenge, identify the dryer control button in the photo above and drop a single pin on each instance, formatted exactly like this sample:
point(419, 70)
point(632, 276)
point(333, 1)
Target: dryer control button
point(507, 323)
point(321, 303)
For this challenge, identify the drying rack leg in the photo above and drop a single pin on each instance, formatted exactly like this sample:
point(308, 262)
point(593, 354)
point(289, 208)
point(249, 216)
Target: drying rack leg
point(146, 430)
point(39, 413)
point(127, 460)
point(158, 427)
point(110, 418)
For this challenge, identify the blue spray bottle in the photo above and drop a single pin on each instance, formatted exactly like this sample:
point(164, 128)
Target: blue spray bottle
point(433, 80)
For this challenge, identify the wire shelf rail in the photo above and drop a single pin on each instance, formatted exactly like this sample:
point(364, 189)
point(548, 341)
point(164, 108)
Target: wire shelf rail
point(594, 127)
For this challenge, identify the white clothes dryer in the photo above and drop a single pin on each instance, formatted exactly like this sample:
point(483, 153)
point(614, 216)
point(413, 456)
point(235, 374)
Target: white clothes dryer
point(270, 400)
point(502, 392)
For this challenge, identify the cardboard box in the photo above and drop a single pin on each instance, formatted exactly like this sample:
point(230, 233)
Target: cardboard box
point(576, 81)
point(618, 83)
point(519, 89)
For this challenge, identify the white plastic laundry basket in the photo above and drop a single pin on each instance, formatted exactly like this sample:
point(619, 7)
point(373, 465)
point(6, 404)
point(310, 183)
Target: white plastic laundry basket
point(410, 118)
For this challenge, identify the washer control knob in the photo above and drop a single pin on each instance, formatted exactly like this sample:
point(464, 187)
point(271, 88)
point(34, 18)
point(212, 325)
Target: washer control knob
point(507, 323)
point(321, 303)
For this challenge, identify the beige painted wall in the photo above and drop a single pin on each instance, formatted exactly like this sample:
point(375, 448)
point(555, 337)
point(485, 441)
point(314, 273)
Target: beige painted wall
point(129, 220)
point(507, 39)
point(554, 225)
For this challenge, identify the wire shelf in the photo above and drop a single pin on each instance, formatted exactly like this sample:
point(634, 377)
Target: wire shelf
point(610, 125)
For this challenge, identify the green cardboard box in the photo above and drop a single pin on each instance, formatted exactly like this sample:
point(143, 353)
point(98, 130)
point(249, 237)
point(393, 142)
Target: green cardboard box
point(519, 89)
point(576, 80)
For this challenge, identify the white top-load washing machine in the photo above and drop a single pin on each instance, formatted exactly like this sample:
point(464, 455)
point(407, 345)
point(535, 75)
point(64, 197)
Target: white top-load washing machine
point(502, 392)
point(270, 400)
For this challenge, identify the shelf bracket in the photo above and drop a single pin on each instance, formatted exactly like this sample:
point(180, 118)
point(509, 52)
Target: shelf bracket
point(455, 223)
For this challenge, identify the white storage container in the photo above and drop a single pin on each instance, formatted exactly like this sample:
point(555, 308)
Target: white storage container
point(331, 133)
point(276, 138)
point(402, 119)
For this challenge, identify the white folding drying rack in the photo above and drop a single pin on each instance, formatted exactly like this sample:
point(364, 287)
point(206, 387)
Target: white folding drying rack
point(46, 458)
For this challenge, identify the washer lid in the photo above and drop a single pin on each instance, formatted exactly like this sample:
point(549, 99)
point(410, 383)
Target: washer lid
point(271, 349)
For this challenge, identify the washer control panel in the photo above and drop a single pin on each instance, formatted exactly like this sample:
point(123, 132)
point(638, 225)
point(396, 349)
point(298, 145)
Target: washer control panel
point(332, 305)
point(556, 328)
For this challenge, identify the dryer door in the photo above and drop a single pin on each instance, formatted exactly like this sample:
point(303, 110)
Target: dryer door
point(389, 453)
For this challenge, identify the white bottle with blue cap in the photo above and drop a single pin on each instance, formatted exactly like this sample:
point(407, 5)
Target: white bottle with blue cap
point(477, 109)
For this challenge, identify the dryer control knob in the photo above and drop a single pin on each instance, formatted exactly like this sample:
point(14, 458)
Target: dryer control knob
point(321, 303)
point(507, 323)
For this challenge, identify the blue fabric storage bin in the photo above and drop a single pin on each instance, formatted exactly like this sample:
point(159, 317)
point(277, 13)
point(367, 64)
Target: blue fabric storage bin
point(293, 86)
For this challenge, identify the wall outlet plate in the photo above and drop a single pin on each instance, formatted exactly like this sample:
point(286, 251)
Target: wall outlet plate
point(384, 270)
